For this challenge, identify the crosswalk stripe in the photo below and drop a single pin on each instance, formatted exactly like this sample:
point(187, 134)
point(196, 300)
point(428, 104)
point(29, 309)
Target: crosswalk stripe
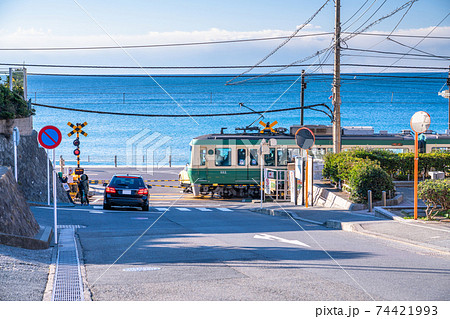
point(161, 209)
point(203, 209)
point(224, 209)
point(183, 209)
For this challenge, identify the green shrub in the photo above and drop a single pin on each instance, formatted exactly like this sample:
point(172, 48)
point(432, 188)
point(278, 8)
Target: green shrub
point(435, 193)
point(12, 105)
point(338, 166)
point(365, 176)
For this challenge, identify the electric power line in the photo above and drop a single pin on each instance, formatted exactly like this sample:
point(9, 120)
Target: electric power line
point(142, 46)
point(282, 44)
point(294, 64)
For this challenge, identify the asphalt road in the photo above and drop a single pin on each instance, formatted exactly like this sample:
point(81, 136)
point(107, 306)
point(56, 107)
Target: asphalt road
point(218, 250)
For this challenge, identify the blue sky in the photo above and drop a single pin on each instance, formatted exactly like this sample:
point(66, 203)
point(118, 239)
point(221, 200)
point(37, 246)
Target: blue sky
point(63, 23)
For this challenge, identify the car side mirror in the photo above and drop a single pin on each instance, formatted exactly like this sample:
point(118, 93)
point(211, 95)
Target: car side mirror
point(149, 186)
point(105, 184)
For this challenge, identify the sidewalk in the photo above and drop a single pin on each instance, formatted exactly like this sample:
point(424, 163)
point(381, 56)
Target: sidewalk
point(430, 235)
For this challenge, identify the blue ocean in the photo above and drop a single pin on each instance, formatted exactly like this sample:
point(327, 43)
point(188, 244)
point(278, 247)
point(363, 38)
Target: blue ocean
point(384, 101)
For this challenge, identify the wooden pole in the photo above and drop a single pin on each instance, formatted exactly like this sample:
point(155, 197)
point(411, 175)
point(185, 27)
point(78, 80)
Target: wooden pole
point(337, 81)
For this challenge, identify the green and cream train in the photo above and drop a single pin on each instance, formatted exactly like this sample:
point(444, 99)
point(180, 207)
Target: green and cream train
point(228, 165)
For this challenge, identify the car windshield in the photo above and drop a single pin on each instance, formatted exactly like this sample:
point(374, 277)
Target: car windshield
point(127, 182)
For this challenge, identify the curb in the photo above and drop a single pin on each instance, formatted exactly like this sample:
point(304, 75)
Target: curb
point(51, 205)
point(40, 241)
point(48, 292)
point(381, 212)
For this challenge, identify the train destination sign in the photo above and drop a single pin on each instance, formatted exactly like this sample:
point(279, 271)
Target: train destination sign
point(304, 138)
point(49, 137)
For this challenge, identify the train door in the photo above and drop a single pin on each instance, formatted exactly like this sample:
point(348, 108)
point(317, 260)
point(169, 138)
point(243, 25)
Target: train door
point(209, 162)
point(242, 166)
point(203, 167)
point(253, 171)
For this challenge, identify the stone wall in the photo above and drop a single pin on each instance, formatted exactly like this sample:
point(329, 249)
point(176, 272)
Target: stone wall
point(32, 172)
point(16, 217)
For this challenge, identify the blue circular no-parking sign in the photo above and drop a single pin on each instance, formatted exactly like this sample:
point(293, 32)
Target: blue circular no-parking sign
point(49, 137)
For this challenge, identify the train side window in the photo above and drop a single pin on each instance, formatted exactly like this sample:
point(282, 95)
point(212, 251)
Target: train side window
point(292, 152)
point(241, 156)
point(282, 157)
point(269, 159)
point(202, 156)
point(223, 156)
point(253, 157)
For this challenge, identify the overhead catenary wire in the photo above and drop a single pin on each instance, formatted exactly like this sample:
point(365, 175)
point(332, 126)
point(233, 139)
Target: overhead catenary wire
point(174, 115)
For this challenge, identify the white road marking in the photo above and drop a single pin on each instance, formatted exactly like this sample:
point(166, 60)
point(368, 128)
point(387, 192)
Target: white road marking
point(161, 209)
point(182, 209)
point(224, 209)
point(281, 240)
point(95, 212)
point(203, 209)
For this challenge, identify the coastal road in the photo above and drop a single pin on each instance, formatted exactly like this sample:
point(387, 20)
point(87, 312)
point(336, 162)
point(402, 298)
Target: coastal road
point(223, 252)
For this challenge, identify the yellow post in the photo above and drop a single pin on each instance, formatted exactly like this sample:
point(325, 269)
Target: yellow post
point(416, 172)
point(306, 181)
point(78, 156)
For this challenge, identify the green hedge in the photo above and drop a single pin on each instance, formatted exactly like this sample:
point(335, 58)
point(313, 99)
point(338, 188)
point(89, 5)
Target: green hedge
point(365, 176)
point(435, 193)
point(12, 105)
point(337, 166)
point(362, 171)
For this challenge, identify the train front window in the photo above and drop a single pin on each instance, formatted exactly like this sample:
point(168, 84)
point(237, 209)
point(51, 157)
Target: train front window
point(282, 157)
point(241, 157)
point(253, 157)
point(223, 156)
point(202, 156)
point(269, 159)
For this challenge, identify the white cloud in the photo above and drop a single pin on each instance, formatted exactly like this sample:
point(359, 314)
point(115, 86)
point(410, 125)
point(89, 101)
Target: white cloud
point(246, 53)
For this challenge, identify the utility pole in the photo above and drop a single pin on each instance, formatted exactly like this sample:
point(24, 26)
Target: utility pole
point(337, 80)
point(302, 97)
point(448, 86)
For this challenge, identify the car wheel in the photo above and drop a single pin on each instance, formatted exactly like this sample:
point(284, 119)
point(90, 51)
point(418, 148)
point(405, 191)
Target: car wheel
point(145, 208)
point(106, 206)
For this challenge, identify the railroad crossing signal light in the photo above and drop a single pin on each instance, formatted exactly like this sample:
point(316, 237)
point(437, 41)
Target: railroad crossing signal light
point(76, 142)
point(76, 152)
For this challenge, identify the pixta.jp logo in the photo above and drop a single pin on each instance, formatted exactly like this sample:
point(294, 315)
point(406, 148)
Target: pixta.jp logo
point(147, 151)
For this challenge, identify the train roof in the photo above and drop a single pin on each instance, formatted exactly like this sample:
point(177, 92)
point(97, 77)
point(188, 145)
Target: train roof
point(350, 134)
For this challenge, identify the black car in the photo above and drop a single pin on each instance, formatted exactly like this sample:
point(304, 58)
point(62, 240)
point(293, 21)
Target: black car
point(126, 190)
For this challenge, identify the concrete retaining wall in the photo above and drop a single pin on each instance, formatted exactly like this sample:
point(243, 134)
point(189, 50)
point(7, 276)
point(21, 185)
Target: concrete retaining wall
point(25, 126)
point(322, 197)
